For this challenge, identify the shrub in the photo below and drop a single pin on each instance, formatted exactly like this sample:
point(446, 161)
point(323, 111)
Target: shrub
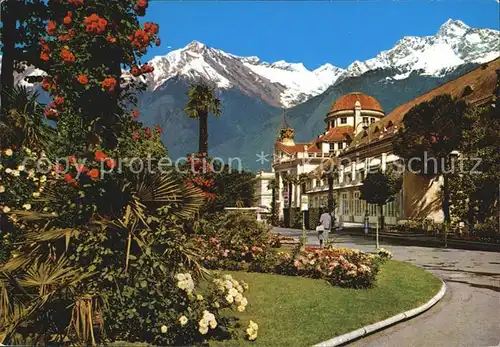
point(384, 254)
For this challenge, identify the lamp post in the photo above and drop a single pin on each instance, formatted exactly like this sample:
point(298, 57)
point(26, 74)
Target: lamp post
point(366, 219)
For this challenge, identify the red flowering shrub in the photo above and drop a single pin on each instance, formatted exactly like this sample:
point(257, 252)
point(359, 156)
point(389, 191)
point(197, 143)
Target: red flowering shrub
point(44, 56)
point(75, 2)
point(140, 39)
point(51, 114)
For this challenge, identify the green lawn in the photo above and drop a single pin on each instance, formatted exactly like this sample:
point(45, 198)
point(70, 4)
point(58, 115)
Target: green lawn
point(295, 311)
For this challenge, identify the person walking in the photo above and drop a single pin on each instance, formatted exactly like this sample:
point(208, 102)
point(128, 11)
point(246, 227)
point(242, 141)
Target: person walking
point(324, 227)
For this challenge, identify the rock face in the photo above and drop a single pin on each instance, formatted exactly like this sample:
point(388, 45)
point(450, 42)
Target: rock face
point(253, 92)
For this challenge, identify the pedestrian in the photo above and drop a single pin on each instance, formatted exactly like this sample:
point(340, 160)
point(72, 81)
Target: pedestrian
point(324, 227)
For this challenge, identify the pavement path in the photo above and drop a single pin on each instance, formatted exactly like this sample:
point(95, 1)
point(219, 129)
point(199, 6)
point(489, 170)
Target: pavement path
point(467, 316)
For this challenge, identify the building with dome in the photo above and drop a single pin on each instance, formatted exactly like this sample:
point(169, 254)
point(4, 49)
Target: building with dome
point(358, 135)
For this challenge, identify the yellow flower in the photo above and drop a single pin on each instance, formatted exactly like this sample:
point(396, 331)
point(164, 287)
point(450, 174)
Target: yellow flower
point(6, 209)
point(20, 168)
point(27, 207)
point(252, 337)
point(229, 299)
point(203, 330)
point(43, 179)
point(164, 329)
point(216, 304)
point(213, 324)
point(36, 194)
point(183, 320)
point(199, 297)
point(8, 152)
point(2, 189)
point(241, 308)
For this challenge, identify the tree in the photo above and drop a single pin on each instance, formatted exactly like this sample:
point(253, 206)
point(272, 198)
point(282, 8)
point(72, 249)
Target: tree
point(472, 197)
point(273, 185)
point(431, 131)
point(380, 188)
point(22, 23)
point(201, 102)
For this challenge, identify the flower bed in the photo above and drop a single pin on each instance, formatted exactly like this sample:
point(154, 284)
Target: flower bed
point(340, 267)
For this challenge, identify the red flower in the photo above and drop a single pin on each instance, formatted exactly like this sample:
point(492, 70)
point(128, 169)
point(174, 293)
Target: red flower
point(140, 39)
point(68, 178)
point(45, 47)
point(72, 159)
point(44, 56)
point(80, 168)
point(67, 56)
point(83, 79)
point(158, 129)
point(100, 156)
point(135, 136)
point(75, 2)
point(110, 163)
point(141, 6)
point(147, 68)
point(151, 28)
point(95, 24)
point(93, 174)
point(111, 39)
point(47, 84)
point(63, 37)
point(109, 84)
point(59, 100)
point(51, 113)
point(52, 28)
point(135, 114)
point(68, 20)
point(135, 71)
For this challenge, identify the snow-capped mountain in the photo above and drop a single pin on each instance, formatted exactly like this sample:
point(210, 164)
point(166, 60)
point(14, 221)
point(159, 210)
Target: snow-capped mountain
point(283, 84)
point(280, 83)
point(454, 44)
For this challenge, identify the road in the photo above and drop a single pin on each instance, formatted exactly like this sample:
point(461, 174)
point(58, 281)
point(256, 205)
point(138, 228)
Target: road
point(469, 313)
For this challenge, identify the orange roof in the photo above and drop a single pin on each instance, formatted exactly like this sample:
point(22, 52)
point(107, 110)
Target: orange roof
point(348, 101)
point(481, 81)
point(337, 134)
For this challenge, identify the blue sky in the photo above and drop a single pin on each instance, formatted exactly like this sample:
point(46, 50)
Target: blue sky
point(312, 32)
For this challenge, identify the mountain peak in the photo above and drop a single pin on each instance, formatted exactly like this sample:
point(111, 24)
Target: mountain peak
point(453, 28)
point(195, 46)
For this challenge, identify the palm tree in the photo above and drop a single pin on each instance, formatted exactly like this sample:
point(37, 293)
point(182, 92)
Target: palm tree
point(201, 102)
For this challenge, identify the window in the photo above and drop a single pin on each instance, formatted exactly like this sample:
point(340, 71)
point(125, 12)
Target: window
point(376, 130)
point(343, 120)
point(332, 147)
point(365, 120)
point(345, 204)
point(372, 120)
point(340, 145)
point(358, 208)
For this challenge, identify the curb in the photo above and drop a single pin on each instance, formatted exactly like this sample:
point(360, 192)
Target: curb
point(368, 329)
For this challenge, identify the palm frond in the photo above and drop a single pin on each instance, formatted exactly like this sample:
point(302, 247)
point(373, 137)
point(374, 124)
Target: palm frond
point(202, 99)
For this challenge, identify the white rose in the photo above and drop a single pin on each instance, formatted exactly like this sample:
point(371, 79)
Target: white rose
point(229, 299)
point(16, 173)
point(8, 152)
point(203, 330)
point(27, 207)
point(6, 209)
point(164, 329)
point(8, 170)
point(183, 320)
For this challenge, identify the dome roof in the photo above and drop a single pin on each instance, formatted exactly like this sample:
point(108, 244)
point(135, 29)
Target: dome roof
point(348, 101)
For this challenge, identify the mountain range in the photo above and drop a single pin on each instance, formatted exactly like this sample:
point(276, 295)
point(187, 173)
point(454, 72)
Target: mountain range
point(254, 93)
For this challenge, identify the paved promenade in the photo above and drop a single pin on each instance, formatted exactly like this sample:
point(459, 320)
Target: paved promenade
point(468, 315)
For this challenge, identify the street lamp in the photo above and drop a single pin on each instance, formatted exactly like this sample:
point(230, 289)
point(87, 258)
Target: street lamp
point(367, 219)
